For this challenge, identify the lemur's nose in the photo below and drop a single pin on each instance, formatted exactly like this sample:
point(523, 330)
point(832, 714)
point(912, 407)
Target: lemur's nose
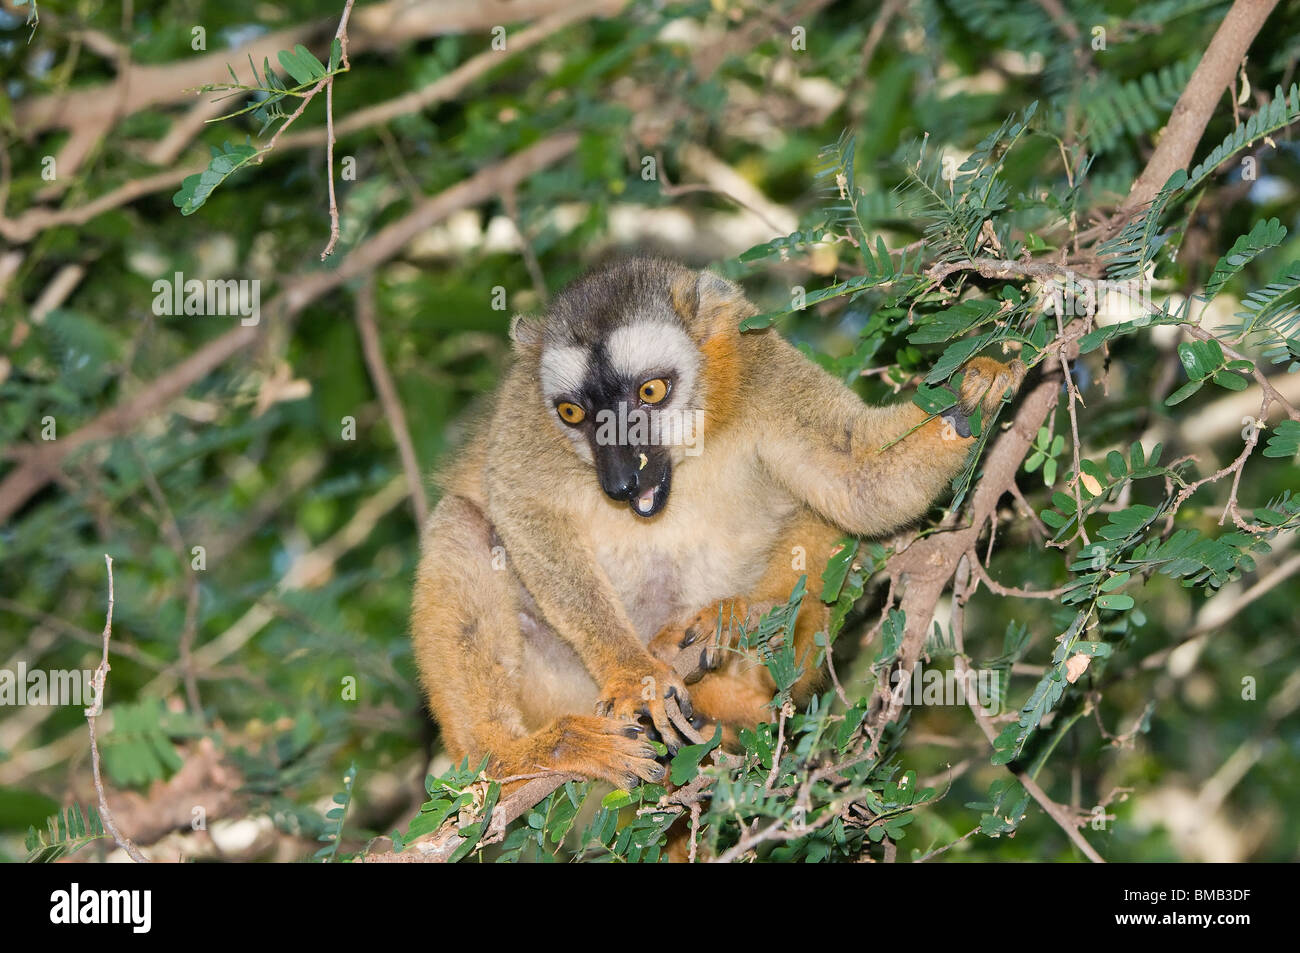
point(622, 489)
point(617, 467)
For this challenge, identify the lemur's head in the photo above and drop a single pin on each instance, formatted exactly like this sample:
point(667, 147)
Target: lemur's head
point(633, 360)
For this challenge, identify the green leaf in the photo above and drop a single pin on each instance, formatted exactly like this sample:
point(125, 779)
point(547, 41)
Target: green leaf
point(1180, 395)
point(1115, 601)
point(954, 322)
point(302, 65)
point(686, 763)
point(1115, 582)
point(1200, 358)
point(934, 399)
point(1284, 441)
point(197, 189)
point(1094, 649)
point(1049, 473)
point(1267, 233)
point(837, 567)
point(615, 799)
point(1283, 109)
point(957, 354)
point(1229, 380)
point(1103, 335)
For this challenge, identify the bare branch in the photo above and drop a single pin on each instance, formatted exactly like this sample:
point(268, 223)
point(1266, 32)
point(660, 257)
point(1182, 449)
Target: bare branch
point(388, 399)
point(97, 708)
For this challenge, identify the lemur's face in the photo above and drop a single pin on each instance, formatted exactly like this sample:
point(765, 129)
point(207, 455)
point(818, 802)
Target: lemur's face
point(624, 392)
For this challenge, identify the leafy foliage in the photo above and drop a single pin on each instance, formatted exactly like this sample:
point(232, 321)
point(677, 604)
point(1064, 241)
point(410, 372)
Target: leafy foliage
point(65, 833)
point(337, 815)
point(1282, 110)
point(877, 263)
point(1267, 233)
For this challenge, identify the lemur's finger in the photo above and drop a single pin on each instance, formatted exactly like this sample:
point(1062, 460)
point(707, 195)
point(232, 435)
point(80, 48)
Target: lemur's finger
point(682, 723)
point(667, 733)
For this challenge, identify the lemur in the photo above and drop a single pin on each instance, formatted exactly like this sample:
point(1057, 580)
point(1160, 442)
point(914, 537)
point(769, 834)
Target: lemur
point(577, 553)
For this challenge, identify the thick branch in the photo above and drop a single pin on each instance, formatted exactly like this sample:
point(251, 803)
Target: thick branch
point(1192, 112)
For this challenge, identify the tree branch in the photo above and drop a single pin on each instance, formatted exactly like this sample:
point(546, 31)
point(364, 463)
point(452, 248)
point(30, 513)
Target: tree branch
point(1191, 114)
point(40, 463)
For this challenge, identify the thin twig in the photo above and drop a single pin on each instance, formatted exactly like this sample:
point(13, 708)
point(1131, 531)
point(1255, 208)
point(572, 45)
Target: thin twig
point(388, 399)
point(97, 707)
point(510, 200)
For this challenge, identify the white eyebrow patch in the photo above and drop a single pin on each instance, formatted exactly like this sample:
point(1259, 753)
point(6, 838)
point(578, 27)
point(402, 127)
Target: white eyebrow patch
point(563, 370)
point(648, 346)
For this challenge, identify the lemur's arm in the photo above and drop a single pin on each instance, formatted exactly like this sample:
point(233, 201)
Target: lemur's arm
point(824, 445)
point(577, 599)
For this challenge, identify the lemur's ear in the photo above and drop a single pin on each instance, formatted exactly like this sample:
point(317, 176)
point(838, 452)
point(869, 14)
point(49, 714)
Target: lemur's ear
point(525, 331)
point(710, 303)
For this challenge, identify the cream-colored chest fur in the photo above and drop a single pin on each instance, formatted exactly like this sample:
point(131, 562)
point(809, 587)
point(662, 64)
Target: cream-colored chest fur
point(701, 548)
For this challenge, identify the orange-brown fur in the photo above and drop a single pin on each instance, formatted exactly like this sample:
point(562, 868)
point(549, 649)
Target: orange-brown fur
point(539, 600)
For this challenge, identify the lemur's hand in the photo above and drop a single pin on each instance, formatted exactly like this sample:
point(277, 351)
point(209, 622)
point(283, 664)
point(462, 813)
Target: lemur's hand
point(985, 380)
point(643, 691)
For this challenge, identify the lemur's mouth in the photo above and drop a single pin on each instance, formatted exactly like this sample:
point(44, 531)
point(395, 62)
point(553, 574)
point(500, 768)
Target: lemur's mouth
point(652, 498)
point(638, 476)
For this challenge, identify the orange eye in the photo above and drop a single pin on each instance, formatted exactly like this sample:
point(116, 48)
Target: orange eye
point(653, 391)
point(571, 414)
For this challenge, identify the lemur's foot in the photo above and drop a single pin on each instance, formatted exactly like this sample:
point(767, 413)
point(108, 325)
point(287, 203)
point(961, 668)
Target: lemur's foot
point(985, 380)
point(599, 748)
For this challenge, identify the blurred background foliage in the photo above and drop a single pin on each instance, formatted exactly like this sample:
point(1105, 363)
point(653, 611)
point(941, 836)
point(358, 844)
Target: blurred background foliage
point(309, 538)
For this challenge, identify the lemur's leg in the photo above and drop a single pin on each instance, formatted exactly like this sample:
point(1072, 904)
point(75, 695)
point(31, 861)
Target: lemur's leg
point(727, 684)
point(468, 647)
